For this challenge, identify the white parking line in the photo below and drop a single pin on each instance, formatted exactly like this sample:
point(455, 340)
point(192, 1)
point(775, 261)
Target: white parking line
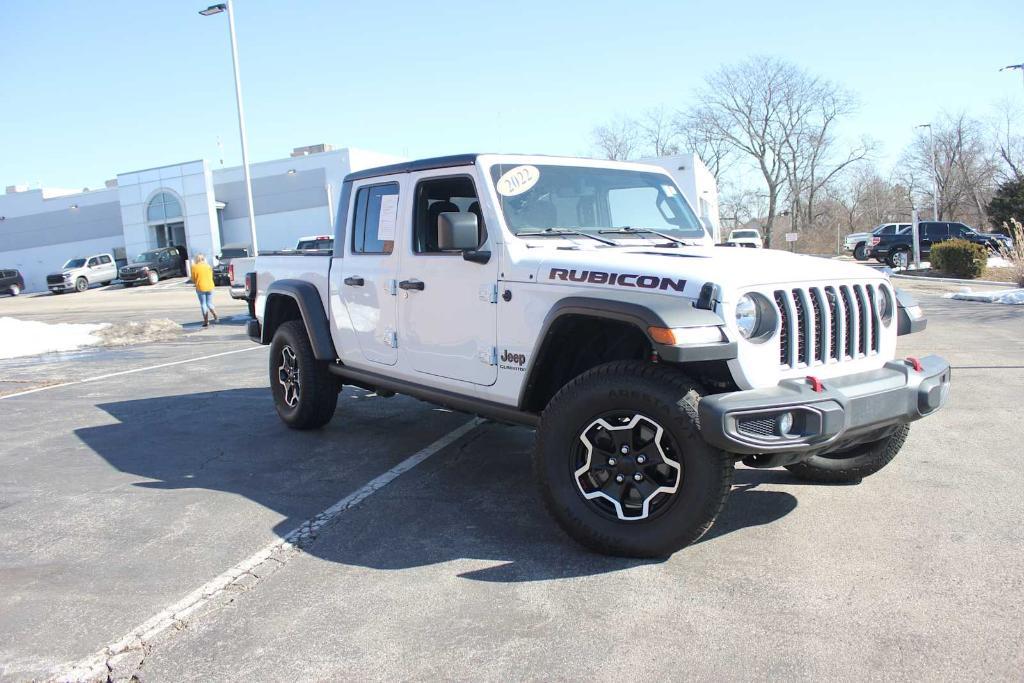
point(129, 372)
point(95, 666)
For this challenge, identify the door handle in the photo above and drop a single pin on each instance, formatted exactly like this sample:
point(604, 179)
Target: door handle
point(354, 281)
point(412, 284)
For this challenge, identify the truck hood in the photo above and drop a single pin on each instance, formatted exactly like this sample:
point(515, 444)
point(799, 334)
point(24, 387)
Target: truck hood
point(732, 268)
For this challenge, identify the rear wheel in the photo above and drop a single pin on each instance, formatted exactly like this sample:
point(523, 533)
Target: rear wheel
point(898, 258)
point(81, 284)
point(621, 464)
point(852, 464)
point(860, 252)
point(305, 392)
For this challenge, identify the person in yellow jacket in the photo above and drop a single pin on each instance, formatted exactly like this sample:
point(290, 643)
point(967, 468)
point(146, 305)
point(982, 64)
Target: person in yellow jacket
point(202, 275)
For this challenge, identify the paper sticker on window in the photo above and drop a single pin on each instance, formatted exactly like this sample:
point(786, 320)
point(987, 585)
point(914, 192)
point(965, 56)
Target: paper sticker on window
point(388, 218)
point(518, 180)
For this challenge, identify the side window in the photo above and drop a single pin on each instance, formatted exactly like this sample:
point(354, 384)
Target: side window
point(441, 195)
point(91, 263)
point(958, 229)
point(373, 230)
point(105, 260)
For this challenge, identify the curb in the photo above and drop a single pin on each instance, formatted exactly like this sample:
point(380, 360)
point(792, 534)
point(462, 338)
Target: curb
point(953, 280)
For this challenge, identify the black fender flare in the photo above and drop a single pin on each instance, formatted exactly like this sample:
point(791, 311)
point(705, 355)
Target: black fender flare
point(642, 313)
point(307, 298)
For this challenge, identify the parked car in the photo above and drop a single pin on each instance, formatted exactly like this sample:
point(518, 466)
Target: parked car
point(79, 273)
point(150, 267)
point(229, 252)
point(649, 363)
point(745, 237)
point(11, 282)
point(315, 242)
point(860, 242)
point(897, 250)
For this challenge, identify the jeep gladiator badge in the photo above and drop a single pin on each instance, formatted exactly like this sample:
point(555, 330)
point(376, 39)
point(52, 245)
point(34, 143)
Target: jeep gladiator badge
point(599, 277)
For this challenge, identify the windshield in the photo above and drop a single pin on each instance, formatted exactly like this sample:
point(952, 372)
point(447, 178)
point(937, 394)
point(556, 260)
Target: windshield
point(591, 200)
point(75, 263)
point(315, 244)
point(146, 256)
point(744, 233)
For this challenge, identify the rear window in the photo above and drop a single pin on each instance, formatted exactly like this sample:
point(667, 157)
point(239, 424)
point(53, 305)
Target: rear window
point(315, 244)
point(744, 233)
point(373, 230)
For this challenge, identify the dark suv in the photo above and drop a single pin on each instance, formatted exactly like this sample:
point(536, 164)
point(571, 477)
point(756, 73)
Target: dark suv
point(152, 266)
point(11, 282)
point(897, 249)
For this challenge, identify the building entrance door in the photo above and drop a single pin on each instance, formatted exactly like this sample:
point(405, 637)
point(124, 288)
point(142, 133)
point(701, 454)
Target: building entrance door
point(169, 234)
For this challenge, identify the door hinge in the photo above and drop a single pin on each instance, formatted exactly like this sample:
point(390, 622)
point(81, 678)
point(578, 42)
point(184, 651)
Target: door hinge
point(489, 293)
point(489, 355)
point(393, 287)
point(391, 338)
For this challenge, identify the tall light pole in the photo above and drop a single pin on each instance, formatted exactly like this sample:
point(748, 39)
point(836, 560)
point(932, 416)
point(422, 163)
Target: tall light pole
point(1019, 67)
point(210, 11)
point(935, 171)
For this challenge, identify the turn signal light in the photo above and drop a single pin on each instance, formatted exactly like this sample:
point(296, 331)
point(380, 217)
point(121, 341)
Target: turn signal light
point(672, 336)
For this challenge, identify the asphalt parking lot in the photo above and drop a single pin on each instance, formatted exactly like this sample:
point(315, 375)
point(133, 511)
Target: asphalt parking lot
point(155, 497)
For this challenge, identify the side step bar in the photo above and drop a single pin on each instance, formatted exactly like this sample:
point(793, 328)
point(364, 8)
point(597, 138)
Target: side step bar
point(489, 409)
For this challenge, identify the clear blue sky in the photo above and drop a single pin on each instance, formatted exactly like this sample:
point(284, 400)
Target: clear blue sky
point(88, 90)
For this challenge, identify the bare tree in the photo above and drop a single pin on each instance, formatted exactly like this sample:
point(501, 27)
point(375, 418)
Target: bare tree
point(697, 134)
point(965, 169)
point(618, 140)
point(1008, 140)
point(658, 132)
point(780, 118)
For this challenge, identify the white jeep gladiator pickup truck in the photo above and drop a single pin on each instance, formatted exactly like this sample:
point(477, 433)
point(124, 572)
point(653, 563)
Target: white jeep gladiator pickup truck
point(577, 297)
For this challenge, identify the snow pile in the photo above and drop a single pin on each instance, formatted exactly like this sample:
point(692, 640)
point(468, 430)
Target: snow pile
point(122, 334)
point(1002, 296)
point(998, 262)
point(28, 337)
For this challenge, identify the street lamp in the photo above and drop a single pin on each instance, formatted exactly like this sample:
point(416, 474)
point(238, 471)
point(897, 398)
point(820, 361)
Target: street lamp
point(935, 172)
point(209, 12)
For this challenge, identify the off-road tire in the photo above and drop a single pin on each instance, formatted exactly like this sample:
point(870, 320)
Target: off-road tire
point(15, 290)
point(318, 388)
point(667, 397)
point(81, 284)
point(890, 258)
point(860, 252)
point(854, 464)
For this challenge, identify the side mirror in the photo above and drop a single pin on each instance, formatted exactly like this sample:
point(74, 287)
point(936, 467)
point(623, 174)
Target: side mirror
point(458, 231)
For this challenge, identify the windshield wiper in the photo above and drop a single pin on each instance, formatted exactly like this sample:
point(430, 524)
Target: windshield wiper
point(629, 230)
point(561, 232)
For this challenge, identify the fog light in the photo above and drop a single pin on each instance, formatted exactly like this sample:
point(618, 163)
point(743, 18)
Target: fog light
point(784, 423)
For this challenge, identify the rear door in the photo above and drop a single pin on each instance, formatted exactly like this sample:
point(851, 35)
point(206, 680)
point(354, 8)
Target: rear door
point(447, 305)
point(363, 284)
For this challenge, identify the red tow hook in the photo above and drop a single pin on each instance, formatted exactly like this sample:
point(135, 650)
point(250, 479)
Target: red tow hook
point(914, 363)
point(815, 384)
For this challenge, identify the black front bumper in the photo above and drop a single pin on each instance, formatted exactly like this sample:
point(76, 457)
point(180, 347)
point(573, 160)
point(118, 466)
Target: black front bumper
point(848, 410)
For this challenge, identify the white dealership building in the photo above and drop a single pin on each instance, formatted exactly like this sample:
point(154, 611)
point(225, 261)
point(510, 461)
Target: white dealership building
point(201, 207)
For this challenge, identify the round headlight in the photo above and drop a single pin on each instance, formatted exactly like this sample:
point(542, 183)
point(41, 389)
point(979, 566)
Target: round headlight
point(747, 316)
point(883, 304)
point(756, 318)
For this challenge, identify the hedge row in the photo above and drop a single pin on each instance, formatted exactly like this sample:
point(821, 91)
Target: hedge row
point(959, 258)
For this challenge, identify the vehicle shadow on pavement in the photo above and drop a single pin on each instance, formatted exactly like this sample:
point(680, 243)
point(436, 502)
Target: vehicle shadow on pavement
point(473, 502)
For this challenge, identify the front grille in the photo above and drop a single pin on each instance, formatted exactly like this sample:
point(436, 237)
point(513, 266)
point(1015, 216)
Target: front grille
point(54, 279)
point(756, 426)
point(819, 324)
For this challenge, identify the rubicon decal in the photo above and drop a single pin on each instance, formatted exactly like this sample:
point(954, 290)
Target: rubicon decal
point(599, 277)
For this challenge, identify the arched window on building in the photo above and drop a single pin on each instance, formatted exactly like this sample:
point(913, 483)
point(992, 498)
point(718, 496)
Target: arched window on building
point(166, 220)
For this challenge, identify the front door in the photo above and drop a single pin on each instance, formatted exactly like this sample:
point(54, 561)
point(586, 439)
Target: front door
point(447, 306)
point(364, 280)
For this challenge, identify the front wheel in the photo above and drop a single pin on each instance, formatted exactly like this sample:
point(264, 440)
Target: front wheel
point(15, 290)
point(305, 392)
point(852, 464)
point(621, 464)
point(898, 258)
point(81, 284)
point(860, 252)
point(153, 277)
